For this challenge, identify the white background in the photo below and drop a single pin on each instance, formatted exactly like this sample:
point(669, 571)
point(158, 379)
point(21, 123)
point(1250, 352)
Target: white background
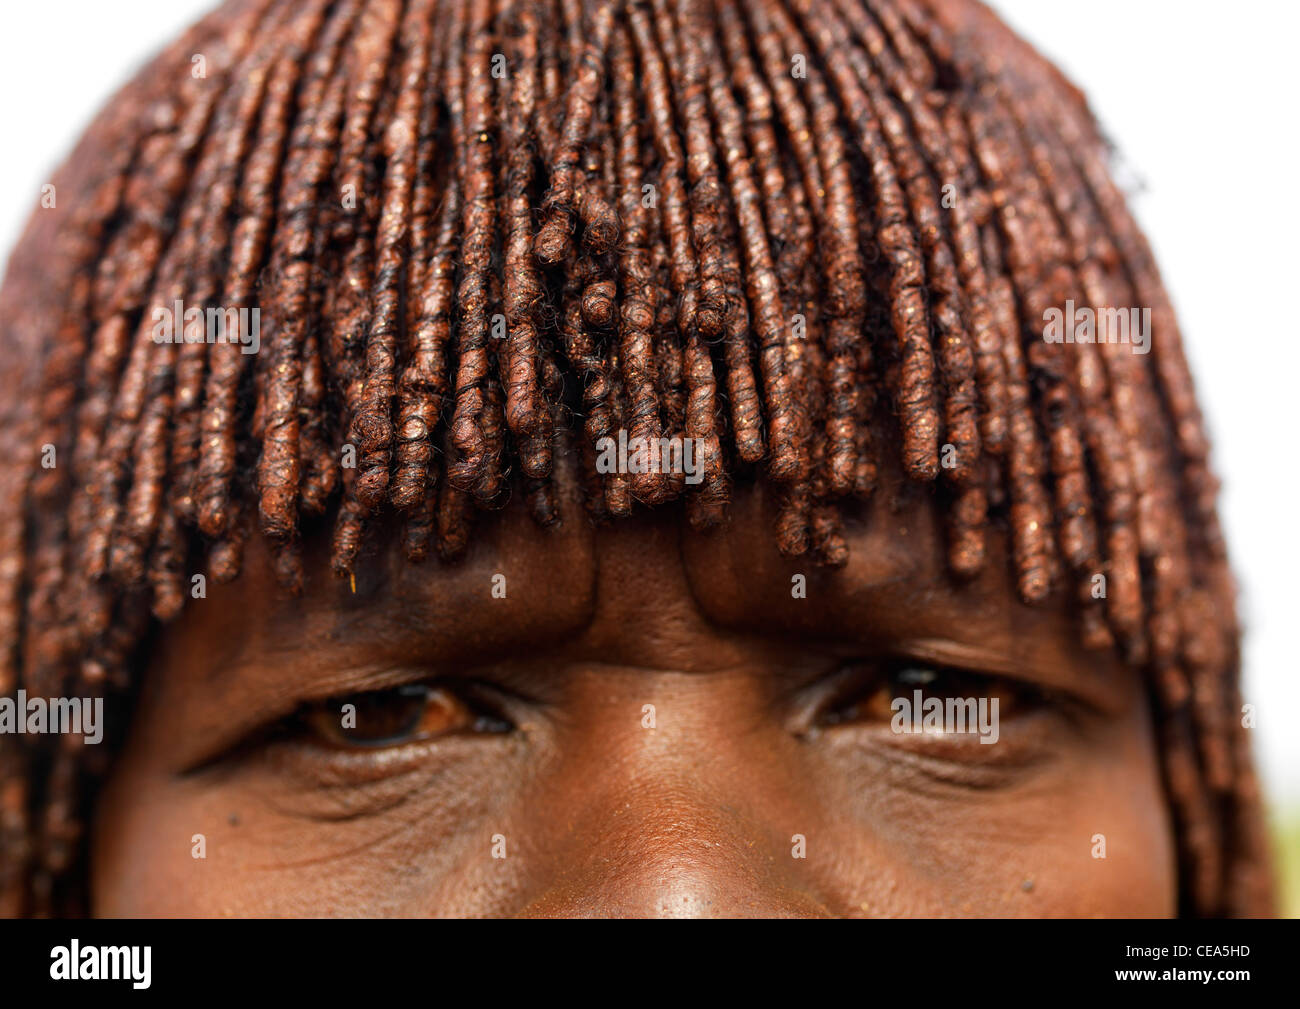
point(1198, 96)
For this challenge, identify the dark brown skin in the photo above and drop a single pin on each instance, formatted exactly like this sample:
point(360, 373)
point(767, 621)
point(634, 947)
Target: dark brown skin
point(602, 816)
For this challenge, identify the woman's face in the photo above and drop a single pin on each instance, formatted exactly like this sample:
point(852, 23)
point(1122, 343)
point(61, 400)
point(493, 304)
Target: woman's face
point(635, 720)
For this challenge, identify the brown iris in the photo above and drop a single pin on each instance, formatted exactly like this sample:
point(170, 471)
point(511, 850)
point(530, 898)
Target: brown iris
point(404, 714)
point(870, 699)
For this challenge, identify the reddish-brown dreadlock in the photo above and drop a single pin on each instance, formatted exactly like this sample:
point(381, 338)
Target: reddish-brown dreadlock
point(479, 234)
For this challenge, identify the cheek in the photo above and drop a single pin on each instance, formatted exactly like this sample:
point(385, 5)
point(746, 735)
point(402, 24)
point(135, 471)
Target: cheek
point(1086, 835)
point(165, 847)
point(269, 838)
point(253, 845)
point(1108, 829)
point(143, 854)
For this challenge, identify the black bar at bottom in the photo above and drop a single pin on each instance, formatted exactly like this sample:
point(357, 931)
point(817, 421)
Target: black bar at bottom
point(375, 958)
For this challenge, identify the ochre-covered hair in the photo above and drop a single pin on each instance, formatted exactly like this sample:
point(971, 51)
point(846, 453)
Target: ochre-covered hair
point(479, 233)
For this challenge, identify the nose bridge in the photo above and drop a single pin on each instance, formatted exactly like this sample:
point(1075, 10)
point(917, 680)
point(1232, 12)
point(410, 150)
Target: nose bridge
point(671, 847)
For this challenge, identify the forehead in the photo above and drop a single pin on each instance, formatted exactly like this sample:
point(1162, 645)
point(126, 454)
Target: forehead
point(634, 588)
point(645, 595)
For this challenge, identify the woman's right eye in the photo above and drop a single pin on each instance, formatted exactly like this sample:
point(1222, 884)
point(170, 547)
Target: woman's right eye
point(405, 714)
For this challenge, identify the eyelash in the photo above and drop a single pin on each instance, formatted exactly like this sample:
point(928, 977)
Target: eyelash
point(847, 700)
point(858, 686)
point(442, 708)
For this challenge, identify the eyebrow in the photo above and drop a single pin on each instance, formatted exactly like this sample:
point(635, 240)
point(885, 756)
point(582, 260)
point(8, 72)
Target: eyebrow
point(1101, 684)
point(343, 664)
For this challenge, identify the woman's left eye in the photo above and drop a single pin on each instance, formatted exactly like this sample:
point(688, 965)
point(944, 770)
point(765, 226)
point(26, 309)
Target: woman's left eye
point(908, 691)
point(405, 714)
